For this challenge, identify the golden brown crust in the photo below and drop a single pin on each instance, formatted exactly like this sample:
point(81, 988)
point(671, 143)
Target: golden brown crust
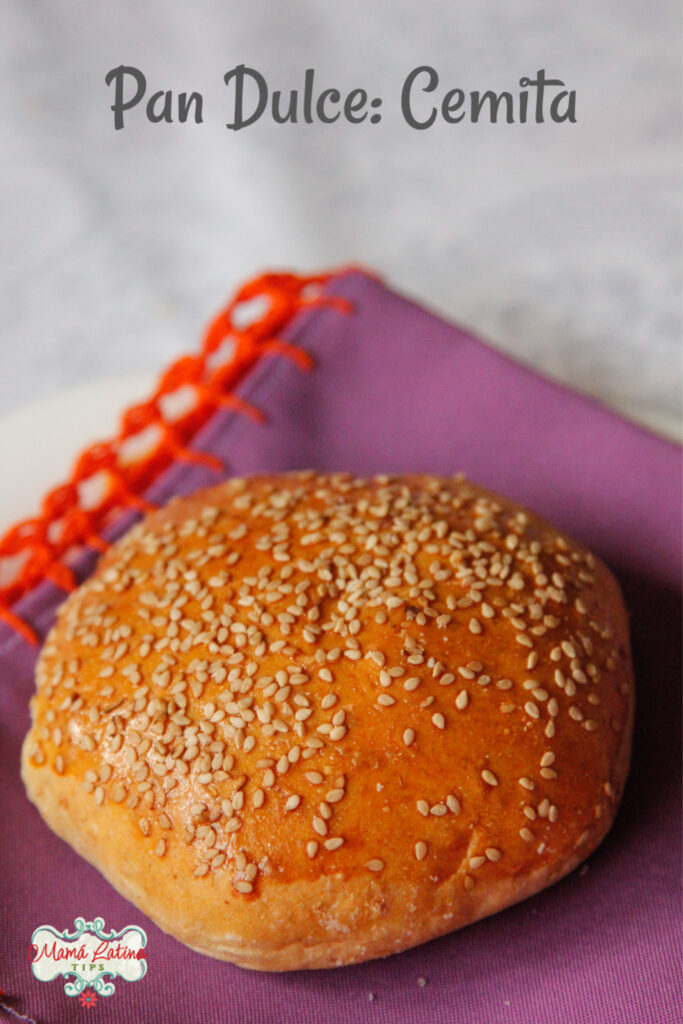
point(303, 721)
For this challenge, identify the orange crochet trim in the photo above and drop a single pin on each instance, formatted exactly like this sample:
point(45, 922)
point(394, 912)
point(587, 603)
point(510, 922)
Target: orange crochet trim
point(68, 520)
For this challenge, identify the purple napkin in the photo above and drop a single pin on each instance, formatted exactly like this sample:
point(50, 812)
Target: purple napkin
point(395, 389)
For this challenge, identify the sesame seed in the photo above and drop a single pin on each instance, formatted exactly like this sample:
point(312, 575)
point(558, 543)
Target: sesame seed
point(333, 843)
point(489, 777)
point(408, 736)
point(292, 802)
point(453, 804)
point(375, 865)
point(462, 700)
point(311, 848)
point(438, 720)
point(420, 850)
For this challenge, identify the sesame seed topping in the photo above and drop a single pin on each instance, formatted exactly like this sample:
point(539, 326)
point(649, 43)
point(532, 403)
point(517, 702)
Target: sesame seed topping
point(216, 677)
point(375, 865)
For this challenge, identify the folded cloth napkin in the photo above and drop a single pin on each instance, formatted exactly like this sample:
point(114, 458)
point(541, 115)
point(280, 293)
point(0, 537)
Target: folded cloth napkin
point(396, 389)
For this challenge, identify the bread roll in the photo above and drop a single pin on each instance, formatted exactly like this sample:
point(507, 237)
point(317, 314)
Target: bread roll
point(303, 721)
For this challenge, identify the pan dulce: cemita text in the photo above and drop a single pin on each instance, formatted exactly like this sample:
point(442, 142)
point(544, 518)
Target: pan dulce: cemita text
point(423, 102)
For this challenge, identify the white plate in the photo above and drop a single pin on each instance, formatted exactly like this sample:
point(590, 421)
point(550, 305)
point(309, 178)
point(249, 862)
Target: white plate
point(38, 443)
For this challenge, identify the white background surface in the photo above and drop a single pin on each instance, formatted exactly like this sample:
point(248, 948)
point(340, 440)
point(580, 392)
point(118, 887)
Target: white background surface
point(559, 243)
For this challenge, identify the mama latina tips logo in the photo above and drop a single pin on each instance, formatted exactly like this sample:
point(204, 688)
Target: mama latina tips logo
point(89, 957)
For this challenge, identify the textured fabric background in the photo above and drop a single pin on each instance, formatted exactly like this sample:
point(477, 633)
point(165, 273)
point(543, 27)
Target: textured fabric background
point(560, 243)
point(396, 389)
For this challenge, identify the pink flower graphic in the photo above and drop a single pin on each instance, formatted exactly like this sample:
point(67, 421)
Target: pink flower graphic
point(88, 998)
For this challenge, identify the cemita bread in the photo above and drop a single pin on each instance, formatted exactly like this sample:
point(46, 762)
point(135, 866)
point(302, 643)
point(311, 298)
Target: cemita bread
point(303, 721)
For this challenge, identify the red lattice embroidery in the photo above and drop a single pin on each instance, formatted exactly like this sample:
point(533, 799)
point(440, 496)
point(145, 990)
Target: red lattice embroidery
point(68, 520)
